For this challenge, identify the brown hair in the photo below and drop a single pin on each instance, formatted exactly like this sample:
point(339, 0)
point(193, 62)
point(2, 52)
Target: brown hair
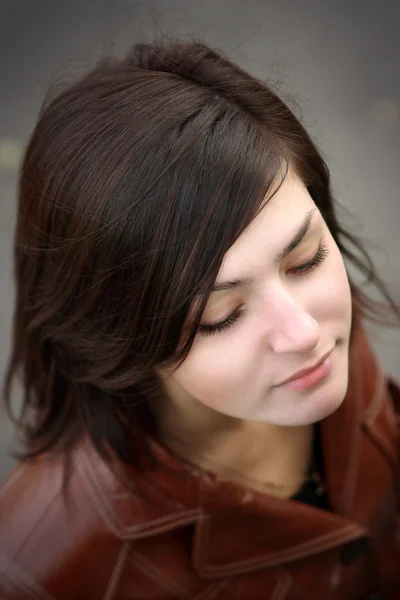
point(137, 179)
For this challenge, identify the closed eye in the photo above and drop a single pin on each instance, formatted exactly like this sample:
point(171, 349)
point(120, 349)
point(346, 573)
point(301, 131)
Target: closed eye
point(222, 325)
point(313, 263)
point(303, 269)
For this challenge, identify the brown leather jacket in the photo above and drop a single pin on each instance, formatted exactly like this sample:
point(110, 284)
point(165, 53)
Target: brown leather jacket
point(184, 534)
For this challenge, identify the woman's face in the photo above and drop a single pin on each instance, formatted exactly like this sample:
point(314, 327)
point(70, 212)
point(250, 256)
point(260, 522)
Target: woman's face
point(272, 314)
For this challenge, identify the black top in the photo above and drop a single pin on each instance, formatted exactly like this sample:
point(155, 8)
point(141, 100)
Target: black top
point(311, 492)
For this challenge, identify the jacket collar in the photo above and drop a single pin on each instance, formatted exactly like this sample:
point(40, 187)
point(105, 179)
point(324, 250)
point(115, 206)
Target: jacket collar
point(237, 530)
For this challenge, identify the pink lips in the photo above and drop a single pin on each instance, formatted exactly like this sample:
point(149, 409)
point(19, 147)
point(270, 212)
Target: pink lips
point(307, 378)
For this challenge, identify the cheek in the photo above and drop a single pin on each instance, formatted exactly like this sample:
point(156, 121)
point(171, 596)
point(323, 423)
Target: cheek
point(216, 372)
point(333, 296)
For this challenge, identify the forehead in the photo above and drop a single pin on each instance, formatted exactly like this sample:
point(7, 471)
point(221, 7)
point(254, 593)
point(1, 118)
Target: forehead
point(273, 226)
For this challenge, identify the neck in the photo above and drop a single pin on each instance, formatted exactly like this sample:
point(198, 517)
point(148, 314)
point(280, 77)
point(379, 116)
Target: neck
point(258, 455)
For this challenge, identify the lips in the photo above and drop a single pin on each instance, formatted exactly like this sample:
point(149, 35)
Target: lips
point(306, 371)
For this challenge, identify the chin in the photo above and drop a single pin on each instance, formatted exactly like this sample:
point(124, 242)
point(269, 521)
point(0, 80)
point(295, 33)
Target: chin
point(321, 413)
point(309, 415)
point(298, 410)
point(323, 403)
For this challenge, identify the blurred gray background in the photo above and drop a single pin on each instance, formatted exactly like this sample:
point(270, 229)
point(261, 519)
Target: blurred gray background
point(338, 60)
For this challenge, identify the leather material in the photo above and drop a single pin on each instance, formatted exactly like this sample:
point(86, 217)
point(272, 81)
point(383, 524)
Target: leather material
point(181, 533)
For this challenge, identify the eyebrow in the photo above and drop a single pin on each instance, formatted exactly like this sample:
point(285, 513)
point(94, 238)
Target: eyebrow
point(294, 242)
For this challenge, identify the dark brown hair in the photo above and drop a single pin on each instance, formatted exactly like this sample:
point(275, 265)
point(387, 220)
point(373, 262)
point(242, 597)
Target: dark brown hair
point(137, 179)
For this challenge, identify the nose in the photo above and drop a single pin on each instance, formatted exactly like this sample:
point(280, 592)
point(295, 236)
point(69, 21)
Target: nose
point(293, 329)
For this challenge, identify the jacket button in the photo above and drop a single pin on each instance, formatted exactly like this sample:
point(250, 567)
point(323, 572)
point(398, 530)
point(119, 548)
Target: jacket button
point(352, 551)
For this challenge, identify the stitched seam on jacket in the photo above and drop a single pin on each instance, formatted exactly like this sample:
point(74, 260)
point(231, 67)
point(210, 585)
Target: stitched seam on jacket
point(329, 541)
point(22, 580)
point(376, 404)
point(12, 479)
point(149, 569)
point(144, 529)
point(36, 522)
point(351, 475)
point(115, 576)
point(212, 590)
point(375, 432)
point(284, 585)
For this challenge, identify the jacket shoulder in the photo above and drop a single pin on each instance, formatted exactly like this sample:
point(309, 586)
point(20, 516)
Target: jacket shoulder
point(52, 537)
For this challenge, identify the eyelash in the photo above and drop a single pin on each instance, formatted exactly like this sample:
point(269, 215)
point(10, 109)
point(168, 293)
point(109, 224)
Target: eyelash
point(304, 269)
point(314, 263)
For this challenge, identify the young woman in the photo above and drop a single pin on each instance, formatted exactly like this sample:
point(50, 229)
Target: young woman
point(203, 417)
